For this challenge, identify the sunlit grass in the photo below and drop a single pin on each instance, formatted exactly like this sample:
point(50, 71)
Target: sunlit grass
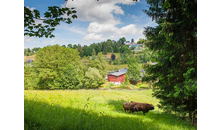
point(95, 109)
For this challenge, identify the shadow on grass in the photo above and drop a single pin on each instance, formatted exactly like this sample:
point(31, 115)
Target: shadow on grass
point(117, 105)
point(40, 115)
point(43, 116)
point(158, 118)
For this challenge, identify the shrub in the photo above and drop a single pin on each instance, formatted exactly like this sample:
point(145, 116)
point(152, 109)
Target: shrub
point(93, 78)
point(109, 85)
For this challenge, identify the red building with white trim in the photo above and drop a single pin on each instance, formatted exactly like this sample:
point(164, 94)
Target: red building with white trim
point(117, 78)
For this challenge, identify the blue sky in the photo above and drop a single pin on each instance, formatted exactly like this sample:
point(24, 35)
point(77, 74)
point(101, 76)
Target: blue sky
point(97, 21)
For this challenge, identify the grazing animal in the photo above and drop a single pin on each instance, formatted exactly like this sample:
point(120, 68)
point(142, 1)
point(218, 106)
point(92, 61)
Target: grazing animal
point(129, 106)
point(145, 107)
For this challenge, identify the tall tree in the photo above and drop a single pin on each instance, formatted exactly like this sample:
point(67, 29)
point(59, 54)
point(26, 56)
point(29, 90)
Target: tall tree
point(132, 40)
point(49, 65)
point(88, 50)
point(93, 79)
point(100, 64)
point(134, 72)
point(70, 46)
point(174, 40)
point(122, 40)
point(113, 57)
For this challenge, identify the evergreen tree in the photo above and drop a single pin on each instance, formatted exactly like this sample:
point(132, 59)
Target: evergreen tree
point(174, 40)
point(113, 57)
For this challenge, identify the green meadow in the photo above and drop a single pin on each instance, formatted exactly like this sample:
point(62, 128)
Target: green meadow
point(96, 110)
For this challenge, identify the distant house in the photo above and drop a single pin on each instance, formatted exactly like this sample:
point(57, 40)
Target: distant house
point(123, 70)
point(116, 78)
point(29, 61)
point(127, 42)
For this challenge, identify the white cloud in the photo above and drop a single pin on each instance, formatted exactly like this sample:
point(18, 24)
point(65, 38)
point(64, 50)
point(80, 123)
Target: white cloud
point(99, 11)
point(109, 31)
point(95, 27)
point(129, 29)
point(100, 14)
point(27, 38)
point(31, 8)
point(95, 37)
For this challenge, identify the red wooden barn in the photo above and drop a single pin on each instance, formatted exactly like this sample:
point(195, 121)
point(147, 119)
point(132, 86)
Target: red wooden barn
point(117, 77)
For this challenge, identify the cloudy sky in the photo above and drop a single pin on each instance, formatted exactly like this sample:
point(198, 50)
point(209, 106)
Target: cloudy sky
point(97, 21)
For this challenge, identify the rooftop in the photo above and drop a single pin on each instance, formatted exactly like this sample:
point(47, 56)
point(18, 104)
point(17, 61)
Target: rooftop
point(117, 73)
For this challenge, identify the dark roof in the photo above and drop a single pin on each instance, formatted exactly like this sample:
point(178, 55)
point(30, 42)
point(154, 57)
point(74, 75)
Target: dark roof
point(117, 73)
point(123, 70)
point(29, 61)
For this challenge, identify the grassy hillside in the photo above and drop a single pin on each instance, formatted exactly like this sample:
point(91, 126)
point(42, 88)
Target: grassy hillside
point(95, 109)
point(109, 55)
point(29, 57)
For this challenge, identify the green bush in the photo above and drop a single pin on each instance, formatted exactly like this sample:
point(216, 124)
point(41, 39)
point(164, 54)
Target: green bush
point(109, 85)
point(93, 79)
point(125, 86)
point(71, 77)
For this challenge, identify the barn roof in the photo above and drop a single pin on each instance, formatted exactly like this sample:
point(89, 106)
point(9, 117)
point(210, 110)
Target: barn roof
point(117, 73)
point(123, 70)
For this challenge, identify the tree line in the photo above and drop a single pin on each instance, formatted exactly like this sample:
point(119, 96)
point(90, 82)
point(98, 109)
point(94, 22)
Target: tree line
point(105, 47)
point(109, 46)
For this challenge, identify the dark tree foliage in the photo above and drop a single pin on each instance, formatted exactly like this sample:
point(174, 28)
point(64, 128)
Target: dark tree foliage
point(175, 42)
point(113, 57)
point(50, 20)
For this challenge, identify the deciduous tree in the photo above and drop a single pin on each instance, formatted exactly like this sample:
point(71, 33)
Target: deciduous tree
point(50, 20)
point(93, 78)
point(56, 57)
point(134, 73)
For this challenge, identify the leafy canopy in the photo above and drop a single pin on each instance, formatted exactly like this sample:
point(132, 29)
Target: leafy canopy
point(50, 20)
point(55, 57)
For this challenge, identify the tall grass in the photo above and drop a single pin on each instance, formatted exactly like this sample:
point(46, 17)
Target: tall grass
point(94, 109)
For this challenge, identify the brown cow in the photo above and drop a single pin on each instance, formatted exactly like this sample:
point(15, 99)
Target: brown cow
point(129, 106)
point(145, 107)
